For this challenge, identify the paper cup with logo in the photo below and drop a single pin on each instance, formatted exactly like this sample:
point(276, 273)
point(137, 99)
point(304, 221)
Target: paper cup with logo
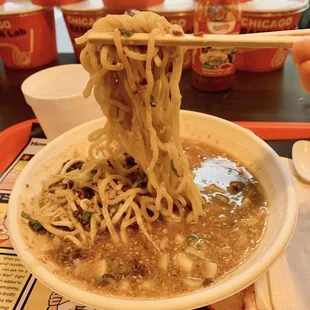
point(27, 35)
point(179, 12)
point(266, 16)
point(80, 17)
point(54, 2)
point(130, 4)
point(55, 96)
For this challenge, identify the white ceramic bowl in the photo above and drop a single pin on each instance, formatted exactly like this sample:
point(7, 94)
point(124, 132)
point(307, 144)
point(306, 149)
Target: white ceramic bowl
point(242, 144)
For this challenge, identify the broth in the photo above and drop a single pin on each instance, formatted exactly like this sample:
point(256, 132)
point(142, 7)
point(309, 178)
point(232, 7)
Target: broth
point(193, 255)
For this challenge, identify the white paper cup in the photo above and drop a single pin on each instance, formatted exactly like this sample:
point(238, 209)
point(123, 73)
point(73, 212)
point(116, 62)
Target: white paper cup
point(55, 96)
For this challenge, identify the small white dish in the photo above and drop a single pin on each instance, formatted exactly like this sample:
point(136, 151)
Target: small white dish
point(301, 159)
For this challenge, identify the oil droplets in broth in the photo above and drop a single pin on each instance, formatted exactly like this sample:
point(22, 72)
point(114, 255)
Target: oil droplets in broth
point(235, 203)
point(192, 255)
point(219, 175)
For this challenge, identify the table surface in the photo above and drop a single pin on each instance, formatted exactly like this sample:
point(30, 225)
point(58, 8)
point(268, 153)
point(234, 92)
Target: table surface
point(272, 96)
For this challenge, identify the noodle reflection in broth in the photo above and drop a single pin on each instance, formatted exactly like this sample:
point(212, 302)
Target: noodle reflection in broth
point(137, 182)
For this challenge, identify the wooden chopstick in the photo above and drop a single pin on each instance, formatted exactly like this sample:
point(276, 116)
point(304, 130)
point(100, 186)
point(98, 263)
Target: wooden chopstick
point(297, 32)
point(190, 40)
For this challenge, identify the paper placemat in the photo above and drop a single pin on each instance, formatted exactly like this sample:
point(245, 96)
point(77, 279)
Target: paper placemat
point(286, 286)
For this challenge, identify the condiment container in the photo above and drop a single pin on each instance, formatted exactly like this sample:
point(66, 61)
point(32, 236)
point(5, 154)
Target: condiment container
point(214, 68)
point(265, 16)
point(27, 35)
point(179, 12)
point(79, 19)
point(130, 4)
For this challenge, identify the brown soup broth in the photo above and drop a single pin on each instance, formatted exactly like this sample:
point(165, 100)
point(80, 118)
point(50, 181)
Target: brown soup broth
point(193, 255)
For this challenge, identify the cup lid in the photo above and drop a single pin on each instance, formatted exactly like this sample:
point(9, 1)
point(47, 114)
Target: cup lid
point(88, 5)
point(170, 6)
point(274, 6)
point(18, 7)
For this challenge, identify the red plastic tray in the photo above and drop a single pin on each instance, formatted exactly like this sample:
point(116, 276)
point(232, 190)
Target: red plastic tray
point(14, 138)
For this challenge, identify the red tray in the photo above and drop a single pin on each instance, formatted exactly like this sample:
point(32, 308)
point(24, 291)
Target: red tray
point(13, 140)
point(278, 130)
point(265, 130)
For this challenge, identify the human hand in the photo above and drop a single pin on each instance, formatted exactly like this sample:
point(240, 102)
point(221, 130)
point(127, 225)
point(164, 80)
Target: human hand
point(301, 58)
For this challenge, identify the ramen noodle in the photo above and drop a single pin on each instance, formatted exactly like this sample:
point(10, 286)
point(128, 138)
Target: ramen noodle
point(181, 13)
point(147, 211)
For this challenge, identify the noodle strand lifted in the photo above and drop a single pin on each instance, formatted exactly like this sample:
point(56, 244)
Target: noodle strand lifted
point(137, 171)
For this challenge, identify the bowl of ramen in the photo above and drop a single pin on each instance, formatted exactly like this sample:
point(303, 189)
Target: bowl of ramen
point(150, 207)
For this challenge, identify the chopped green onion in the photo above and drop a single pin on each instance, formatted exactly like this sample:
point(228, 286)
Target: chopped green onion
point(153, 102)
point(26, 216)
point(36, 226)
point(191, 238)
point(101, 217)
point(127, 33)
point(93, 171)
point(85, 217)
point(113, 209)
point(33, 224)
point(174, 168)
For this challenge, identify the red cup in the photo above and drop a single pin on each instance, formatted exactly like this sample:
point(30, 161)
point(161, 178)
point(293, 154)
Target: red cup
point(80, 17)
point(266, 17)
point(27, 35)
point(132, 4)
point(54, 2)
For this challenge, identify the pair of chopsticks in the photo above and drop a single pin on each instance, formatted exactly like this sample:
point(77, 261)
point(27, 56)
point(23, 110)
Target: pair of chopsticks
point(276, 39)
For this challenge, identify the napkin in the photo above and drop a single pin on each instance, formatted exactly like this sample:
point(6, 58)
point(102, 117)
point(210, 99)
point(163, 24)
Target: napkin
point(286, 286)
